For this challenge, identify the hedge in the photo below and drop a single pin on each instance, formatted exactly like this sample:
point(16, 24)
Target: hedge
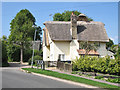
point(95, 64)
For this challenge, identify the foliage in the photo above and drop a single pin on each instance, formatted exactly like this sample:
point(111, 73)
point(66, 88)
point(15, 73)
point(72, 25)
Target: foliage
point(65, 16)
point(116, 80)
point(13, 52)
point(109, 44)
point(70, 77)
point(88, 46)
point(74, 65)
point(27, 54)
point(98, 77)
point(22, 31)
point(4, 51)
point(37, 57)
point(117, 55)
point(36, 52)
point(102, 65)
point(58, 17)
point(114, 48)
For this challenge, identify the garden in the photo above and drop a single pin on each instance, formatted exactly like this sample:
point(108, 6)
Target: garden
point(105, 69)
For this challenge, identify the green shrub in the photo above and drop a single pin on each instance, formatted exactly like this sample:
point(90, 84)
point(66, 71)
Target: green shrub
point(98, 77)
point(13, 52)
point(74, 66)
point(95, 64)
point(3, 46)
point(116, 80)
point(37, 52)
point(37, 57)
point(73, 72)
point(27, 54)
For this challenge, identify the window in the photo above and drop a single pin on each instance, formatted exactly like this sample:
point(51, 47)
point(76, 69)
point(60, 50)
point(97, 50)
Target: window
point(61, 57)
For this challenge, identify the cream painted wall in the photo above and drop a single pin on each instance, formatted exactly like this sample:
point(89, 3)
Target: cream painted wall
point(46, 50)
point(102, 49)
point(46, 53)
point(61, 47)
point(74, 46)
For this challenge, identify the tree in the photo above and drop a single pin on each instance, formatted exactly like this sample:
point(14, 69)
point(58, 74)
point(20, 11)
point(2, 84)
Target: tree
point(65, 16)
point(114, 48)
point(22, 31)
point(88, 47)
point(109, 44)
point(4, 51)
point(58, 17)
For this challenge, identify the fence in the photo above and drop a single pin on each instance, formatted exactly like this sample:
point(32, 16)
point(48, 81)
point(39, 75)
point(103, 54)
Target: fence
point(64, 66)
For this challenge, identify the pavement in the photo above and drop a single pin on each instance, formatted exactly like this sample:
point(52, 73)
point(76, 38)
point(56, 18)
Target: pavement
point(12, 77)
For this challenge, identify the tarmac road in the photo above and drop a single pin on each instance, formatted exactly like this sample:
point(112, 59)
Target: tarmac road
point(12, 77)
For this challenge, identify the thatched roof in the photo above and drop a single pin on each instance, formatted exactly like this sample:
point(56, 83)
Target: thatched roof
point(86, 31)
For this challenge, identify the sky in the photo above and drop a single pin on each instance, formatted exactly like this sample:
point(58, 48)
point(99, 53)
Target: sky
point(106, 12)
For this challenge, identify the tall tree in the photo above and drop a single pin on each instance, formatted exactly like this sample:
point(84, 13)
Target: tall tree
point(22, 31)
point(65, 16)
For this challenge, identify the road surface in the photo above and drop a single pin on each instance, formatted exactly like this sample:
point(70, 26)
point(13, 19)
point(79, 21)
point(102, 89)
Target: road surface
point(12, 77)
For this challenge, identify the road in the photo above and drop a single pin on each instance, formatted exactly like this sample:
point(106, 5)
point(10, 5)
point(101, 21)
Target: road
point(12, 77)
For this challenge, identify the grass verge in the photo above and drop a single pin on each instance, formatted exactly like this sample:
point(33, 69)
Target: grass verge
point(71, 78)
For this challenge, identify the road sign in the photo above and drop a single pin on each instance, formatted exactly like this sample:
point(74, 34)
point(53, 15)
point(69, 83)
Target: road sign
point(40, 62)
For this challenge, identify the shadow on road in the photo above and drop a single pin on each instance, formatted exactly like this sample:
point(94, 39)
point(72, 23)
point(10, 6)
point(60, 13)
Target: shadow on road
point(16, 64)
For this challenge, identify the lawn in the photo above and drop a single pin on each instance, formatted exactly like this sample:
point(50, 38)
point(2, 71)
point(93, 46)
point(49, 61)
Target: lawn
point(71, 78)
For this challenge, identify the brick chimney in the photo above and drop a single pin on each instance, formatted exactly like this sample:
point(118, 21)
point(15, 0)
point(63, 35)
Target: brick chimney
point(74, 26)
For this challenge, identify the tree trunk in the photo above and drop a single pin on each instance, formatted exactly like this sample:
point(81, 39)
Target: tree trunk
point(21, 61)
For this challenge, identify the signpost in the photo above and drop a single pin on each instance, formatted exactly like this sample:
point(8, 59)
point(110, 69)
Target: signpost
point(40, 62)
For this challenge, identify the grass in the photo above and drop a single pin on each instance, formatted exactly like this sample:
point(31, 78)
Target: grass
point(71, 78)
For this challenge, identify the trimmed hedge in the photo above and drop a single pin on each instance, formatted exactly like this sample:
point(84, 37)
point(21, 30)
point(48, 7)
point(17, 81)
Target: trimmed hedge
point(95, 64)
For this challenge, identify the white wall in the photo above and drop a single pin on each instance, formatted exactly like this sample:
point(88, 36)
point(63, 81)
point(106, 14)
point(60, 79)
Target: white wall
point(74, 46)
point(46, 53)
point(60, 47)
point(102, 49)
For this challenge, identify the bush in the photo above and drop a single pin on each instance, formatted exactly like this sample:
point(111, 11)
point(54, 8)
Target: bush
point(37, 57)
point(95, 64)
point(27, 54)
point(116, 80)
point(13, 52)
point(98, 77)
point(4, 53)
point(37, 52)
point(74, 66)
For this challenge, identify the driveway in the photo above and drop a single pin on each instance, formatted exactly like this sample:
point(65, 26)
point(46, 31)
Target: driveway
point(12, 77)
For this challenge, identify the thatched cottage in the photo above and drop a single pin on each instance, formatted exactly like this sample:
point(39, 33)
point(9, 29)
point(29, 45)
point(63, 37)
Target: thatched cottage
point(61, 39)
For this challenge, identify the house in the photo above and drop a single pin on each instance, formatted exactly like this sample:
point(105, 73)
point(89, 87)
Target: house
point(61, 39)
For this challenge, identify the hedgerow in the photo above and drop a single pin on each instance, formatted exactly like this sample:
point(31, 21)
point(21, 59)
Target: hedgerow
point(95, 64)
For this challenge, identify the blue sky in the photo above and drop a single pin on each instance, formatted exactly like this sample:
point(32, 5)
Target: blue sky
point(106, 12)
